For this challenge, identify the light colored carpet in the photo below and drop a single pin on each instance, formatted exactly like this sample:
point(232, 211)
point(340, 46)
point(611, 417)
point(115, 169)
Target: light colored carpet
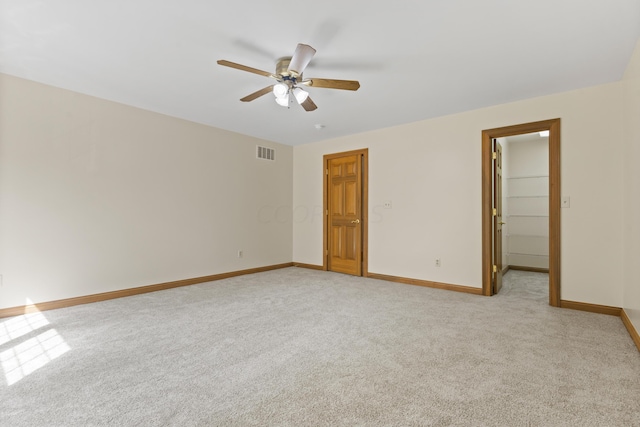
point(526, 285)
point(297, 347)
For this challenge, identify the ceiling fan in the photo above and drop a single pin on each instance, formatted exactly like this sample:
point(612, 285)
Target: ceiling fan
point(288, 76)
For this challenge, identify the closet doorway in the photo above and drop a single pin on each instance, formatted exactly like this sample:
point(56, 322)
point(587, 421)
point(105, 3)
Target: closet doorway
point(532, 207)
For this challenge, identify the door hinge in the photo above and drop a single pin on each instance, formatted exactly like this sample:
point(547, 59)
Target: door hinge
point(327, 171)
point(495, 212)
point(326, 252)
point(494, 155)
point(495, 268)
point(327, 212)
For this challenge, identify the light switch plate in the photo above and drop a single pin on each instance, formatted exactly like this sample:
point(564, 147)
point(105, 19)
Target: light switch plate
point(566, 202)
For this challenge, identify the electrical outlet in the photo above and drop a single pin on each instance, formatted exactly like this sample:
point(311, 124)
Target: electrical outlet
point(438, 263)
point(240, 254)
point(387, 205)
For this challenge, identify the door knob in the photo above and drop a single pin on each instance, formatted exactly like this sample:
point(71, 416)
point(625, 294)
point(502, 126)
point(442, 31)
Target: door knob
point(502, 223)
point(355, 221)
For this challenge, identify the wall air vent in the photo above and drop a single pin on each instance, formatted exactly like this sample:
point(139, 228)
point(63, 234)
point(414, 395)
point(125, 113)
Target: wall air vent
point(265, 153)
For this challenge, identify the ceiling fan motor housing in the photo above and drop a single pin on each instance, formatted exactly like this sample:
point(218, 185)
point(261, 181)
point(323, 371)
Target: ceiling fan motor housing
point(282, 69)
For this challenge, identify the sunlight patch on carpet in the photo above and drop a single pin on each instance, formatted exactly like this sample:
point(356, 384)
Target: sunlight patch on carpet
point(28, 356)
point(19, 326)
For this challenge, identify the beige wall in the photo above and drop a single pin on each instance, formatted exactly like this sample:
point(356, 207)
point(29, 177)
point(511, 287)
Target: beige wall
point(97, 196)
point(631, 300)
point(431, 171)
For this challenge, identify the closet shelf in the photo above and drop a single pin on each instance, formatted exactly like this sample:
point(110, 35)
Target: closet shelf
point(516, 253)
point(527, 216)
point(528, 177)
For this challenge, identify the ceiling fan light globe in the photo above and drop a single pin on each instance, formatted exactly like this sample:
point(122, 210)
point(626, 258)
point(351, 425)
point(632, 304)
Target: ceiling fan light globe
point(280, 90)
point(300, 95)
point(283, 101)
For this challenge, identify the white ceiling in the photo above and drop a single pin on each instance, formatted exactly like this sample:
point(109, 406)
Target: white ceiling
point(414, 59)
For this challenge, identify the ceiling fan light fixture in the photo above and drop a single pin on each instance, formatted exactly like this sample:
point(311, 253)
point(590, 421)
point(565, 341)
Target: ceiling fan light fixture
point(300, 95)
point(281, 90)
point(283, 101)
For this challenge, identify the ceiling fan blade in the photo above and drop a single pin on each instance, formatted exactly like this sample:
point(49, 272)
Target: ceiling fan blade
point(245, 68)
point(308, 104)
point(301, 58)
point(333, 84)
point(257, 94)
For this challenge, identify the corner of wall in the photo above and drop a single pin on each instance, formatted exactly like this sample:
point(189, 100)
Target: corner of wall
point(633, 67)
point(631, 204)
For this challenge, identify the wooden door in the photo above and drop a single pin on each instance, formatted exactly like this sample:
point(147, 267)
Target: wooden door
point(497, 216)
point(344, 211)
